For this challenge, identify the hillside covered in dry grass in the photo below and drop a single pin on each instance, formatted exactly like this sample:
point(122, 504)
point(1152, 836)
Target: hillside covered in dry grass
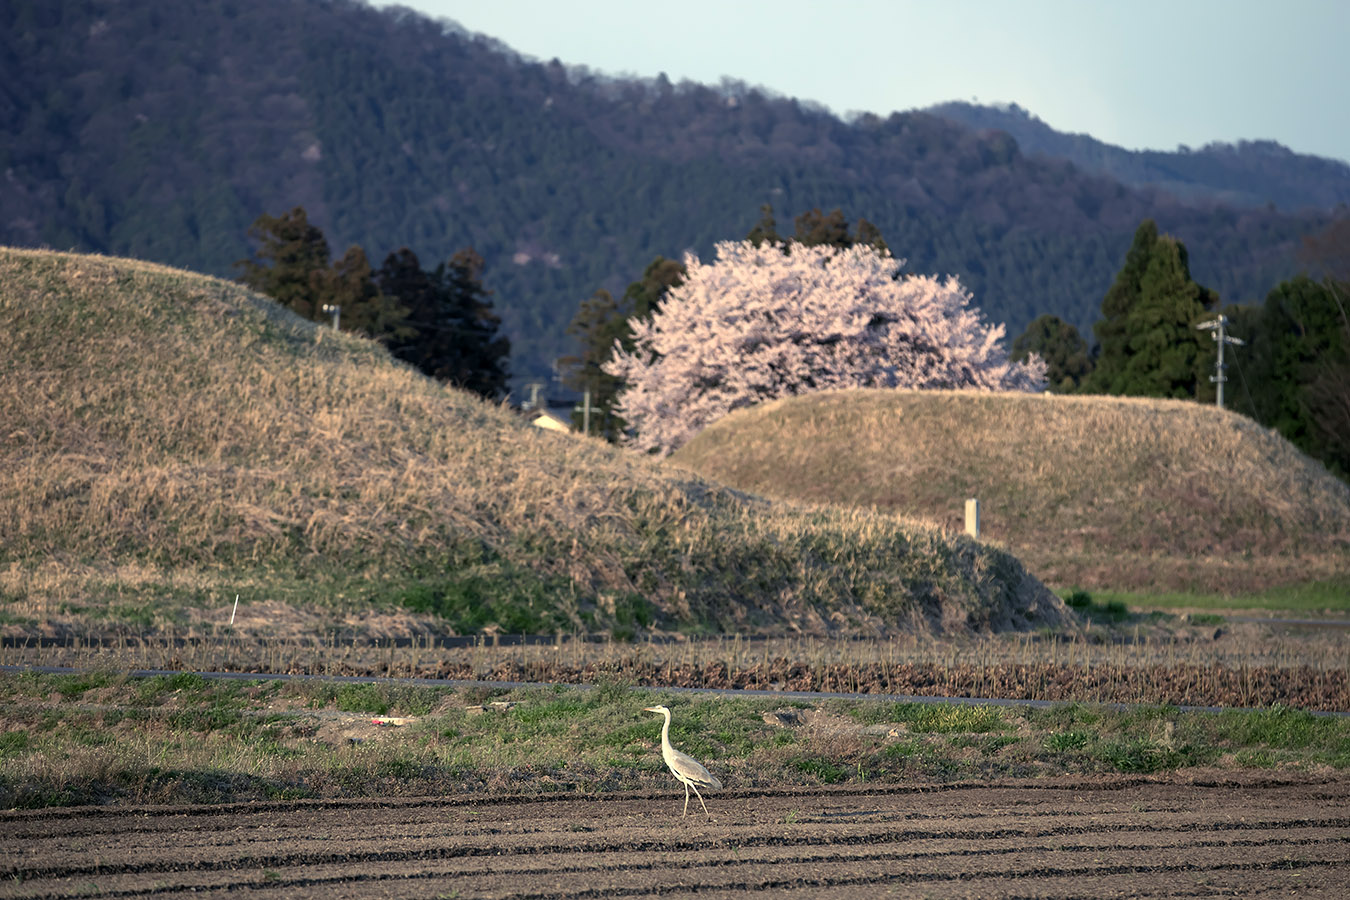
point(170, 440)
point(1094, 492)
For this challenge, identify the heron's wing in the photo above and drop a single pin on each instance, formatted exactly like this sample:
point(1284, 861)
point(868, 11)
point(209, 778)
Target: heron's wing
point(685, 765)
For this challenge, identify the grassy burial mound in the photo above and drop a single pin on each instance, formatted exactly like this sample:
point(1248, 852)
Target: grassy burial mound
point(170, 440)
point(1097, 492)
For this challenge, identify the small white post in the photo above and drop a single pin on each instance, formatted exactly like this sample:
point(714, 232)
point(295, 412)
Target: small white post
point(235, 610)
point(973, 518)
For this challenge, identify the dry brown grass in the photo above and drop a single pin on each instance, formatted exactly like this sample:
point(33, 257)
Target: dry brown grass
point(1097, 492)
point(170, 440)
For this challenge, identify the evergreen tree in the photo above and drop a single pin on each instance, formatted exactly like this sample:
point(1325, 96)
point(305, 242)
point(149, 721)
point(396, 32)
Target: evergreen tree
point(292, 267)
point(400, 276)
point(1149, 343)
point(1294, 375)
point(452, 334)
point(815, 229)
point(1328, 252)
point(1066, 355)
point(481, 358)
point(289, 263)
point(349, 284)
point(602, 324)
point(766, 229)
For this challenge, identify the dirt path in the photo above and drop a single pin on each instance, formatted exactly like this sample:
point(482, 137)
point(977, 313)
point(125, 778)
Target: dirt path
point(1207, 835)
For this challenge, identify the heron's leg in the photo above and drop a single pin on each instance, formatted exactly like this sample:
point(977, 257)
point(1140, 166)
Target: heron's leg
point(686, 798)
point(700, 800)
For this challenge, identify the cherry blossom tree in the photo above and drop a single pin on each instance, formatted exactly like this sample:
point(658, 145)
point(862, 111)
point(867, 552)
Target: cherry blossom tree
point(771, 321)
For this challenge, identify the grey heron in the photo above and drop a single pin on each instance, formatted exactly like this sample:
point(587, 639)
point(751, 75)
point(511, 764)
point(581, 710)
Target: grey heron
point(687, 769)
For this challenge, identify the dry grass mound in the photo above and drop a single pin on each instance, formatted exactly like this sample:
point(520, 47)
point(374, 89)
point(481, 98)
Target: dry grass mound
point(1097, 492)
point(170, 440)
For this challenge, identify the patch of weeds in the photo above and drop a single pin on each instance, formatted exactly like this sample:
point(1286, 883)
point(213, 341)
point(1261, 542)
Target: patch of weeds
point(784, 738)
point(1139, 755)
point(1063, 741)
point(987, 744)
point(823, 770)
point(903, 750)
point(190, 685)
point(944, 718)
point(288, 792)
point(72, 687)
point(1255, 759)
point(1063, 717)
point(398, 767)
point(637, 733)
point(361, 698)
point(88, 736)
point(1111, 612)
point(1204, 619)
point(1147, 715)
point(210, 718)
point(1078, 599)
point(632, 612)
point(564, 710)
point(13, 743)
point(611, 689)
point(1280, 728)
point(489, 591)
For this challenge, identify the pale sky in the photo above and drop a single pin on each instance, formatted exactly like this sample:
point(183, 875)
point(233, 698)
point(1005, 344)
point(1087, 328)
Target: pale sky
point(1135, 73)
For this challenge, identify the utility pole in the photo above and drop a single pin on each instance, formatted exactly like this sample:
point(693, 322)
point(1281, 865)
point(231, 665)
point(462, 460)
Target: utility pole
point(1216, 329)
point(586, 412)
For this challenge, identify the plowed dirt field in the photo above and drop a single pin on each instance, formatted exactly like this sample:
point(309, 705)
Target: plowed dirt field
point(1208, 835)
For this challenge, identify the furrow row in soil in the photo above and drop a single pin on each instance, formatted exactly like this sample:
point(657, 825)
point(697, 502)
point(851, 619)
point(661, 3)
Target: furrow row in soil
point(1154, 838)
point(633, 878)
point(733, 854)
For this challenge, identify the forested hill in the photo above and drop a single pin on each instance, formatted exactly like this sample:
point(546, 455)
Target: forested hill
point(162, 130)
point(1248, 173)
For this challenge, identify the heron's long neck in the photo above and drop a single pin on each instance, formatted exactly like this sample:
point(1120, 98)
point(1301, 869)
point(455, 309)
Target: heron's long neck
point(665, 730)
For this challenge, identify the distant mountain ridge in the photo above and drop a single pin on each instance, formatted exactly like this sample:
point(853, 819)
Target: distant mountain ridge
point(161, 131)
point(1248, 173)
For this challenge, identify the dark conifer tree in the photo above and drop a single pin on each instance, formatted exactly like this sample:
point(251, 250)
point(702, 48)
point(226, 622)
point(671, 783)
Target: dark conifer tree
point(292, 267)
point(600, 324)
point(766, 229)
point(453, 330)
point(1150, 346)
point(1295, 369)
point(1066, 354)
point(479, 356)
point(349, 284)
point(289, 263)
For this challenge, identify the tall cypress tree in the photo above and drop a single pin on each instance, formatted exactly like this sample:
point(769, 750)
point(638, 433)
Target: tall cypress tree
point(1149, 343)
point(481, 355)
point(453, 330)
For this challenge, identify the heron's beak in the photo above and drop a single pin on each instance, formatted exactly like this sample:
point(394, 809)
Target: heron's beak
point(650, 709)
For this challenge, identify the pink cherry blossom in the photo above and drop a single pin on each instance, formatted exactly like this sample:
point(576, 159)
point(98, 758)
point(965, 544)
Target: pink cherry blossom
point(757, 324)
